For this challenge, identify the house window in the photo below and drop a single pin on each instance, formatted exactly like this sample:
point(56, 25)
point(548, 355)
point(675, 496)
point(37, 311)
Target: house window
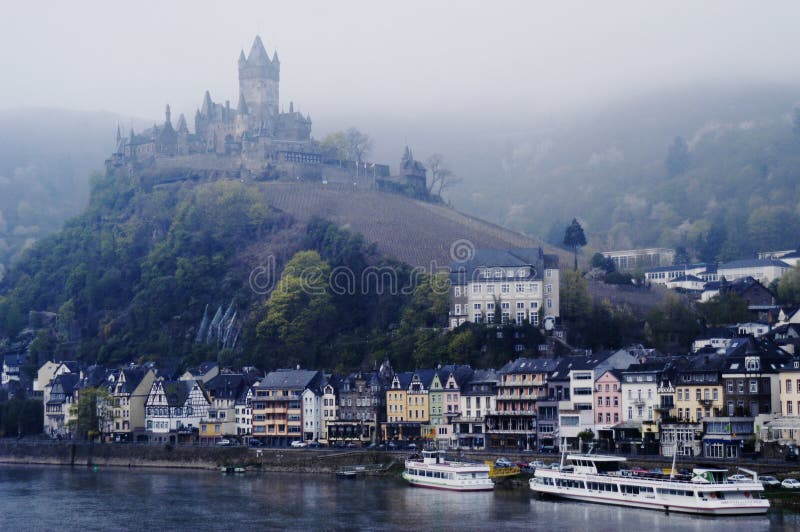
point(753, 386)
point(520, 305)
point(730, 386)
point(789, 407)
point(457, 291)
point(476, 306)
point(520, 288)
point(740, 385)
point(490, 289)
point(630, 412)
point(548, 289)
point(599, 418)
point(680, 394)
point(504, 288)
point(520, 318)
point(457, 311)
point(599, 401)
point(788, 386)
point(698, 395)
point(616, 417)
point(608, 401)
point(616, 401)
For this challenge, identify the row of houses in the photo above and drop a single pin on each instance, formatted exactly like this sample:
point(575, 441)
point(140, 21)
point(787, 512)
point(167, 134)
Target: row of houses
point(717, 402)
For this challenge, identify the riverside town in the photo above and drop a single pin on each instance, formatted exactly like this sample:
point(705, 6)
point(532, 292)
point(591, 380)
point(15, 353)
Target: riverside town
point(564, 323)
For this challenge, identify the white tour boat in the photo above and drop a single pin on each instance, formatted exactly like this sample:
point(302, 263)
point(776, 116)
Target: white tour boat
point(597, 478)
point(434, 471)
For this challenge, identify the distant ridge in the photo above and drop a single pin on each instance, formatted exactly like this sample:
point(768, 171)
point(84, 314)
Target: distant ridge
point(409, 230)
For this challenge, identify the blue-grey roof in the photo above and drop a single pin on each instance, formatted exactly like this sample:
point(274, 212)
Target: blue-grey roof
point(753, 263)
point(677, 267)
point(290, 379)
point(463, 271)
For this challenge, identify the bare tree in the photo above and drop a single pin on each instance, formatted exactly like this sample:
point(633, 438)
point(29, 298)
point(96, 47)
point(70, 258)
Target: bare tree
point(442, 177)
point(359, 144)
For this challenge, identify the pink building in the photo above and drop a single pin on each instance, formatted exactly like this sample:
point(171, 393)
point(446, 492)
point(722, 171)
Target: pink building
point(608, 403)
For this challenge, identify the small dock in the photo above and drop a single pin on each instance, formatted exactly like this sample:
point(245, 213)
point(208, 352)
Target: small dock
point(354, 471)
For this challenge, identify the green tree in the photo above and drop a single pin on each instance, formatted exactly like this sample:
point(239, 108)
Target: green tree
point(298, 312)
point(681, 256)
point(672, 325)
point(677, 160)
point(789, 286)
point(724, 309)
point(575, 303)
point(93, 413)
point(351, 144)
point(574, 238)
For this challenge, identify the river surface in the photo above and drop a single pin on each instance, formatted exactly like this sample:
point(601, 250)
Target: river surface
point(49, 498)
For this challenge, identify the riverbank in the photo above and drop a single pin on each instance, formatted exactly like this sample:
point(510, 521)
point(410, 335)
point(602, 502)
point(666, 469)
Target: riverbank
point(185, 457)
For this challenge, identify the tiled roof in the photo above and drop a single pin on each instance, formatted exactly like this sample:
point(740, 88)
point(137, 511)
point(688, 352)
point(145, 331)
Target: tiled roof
point(753, 263)
point(290, 379)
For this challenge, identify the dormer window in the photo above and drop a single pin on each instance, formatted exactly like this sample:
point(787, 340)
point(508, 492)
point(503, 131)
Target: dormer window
point(752, 364)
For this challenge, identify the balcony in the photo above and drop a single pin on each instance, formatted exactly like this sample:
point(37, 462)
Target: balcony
point(706, 402)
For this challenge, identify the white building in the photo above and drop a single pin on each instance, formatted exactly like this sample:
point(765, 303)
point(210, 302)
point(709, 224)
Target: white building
point(762, 270)
point(312, 414)
point(508, 285)
point(640, 398)
point(175, 407)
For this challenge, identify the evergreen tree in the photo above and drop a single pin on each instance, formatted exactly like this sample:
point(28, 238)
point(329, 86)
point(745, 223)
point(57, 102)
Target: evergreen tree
point(574, 238)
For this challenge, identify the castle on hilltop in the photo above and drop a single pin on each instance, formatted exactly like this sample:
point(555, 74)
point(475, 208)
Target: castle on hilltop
point(256, 139)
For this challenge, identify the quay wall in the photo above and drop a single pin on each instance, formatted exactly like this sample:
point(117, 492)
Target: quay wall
point(185, 456)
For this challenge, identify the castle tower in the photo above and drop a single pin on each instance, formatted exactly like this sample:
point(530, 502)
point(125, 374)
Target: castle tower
point(259, 77)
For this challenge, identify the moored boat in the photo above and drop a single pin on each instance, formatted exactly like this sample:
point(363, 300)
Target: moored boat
point(597, 478)
point(433, 470)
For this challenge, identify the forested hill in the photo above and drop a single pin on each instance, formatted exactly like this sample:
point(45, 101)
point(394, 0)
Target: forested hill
point(199, 270)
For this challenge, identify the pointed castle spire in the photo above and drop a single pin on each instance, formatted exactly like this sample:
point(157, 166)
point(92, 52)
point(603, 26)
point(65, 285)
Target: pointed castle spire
point(242, 58)
point(168, 116)
point(242, 107)
point(182, 124)
point(206, 109)
point(119, 134)
point(258, 54)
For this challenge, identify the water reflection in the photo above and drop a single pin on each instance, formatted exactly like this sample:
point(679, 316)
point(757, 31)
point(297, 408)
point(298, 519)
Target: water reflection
point(52, 497)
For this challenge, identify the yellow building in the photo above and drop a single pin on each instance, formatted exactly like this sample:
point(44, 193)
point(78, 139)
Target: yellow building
point(789, 392)
point(698, 389)
point(407, 406)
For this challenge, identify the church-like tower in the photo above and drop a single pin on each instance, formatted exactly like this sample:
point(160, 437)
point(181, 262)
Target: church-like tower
point(259, 78)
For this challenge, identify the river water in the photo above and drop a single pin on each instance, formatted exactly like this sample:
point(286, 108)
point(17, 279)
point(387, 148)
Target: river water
point(48, 498)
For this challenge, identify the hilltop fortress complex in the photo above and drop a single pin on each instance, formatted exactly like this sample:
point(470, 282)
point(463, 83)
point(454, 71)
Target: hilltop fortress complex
point(254, 140)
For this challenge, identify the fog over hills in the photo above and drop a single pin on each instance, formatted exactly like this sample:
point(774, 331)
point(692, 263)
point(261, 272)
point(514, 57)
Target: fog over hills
point(531, 174)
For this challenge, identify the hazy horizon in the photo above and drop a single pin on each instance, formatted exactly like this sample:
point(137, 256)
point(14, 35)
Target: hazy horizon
point(401, 60)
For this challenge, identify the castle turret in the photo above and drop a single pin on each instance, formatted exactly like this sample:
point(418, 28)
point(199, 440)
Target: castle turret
point(242, 107)
point(168, 116)
point(259, 78)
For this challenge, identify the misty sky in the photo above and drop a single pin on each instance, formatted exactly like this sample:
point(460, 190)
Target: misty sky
point(396, 58)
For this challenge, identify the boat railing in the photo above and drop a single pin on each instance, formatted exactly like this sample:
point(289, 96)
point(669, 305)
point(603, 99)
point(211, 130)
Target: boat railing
point(652, 477)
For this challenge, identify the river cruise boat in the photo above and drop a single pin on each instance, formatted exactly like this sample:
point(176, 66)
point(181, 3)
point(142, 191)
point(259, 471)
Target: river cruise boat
point(433, 470)
point(597, 478)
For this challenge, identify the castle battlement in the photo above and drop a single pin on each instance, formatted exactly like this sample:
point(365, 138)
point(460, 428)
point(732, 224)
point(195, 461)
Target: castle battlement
point(255, 138)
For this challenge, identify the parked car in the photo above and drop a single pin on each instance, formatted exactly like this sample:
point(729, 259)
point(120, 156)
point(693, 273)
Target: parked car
point(522, 465)
point(503, 462)
point(638, 471)
point(298, 444)
point(392, 446)
point(224, 442)
point(740, 478)
point(412, 446)
point(555, 465)
point(538, 464)
point(791, 483)
point(255, 443)
point(769, 481)
point(314, 445)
